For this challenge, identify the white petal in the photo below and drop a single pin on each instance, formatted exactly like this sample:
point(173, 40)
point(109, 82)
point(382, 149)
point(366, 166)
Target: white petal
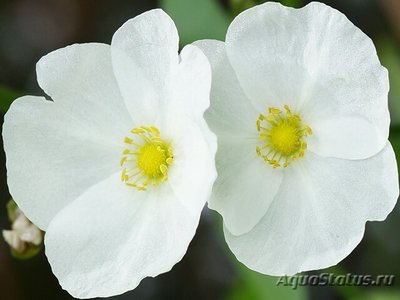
point(193, 171)
point(313, 59)
point(80, 78)
point(231, 113)
point(113, 236)
point(245, 186)
point(144, 51)
point(189, 92)
point(53, 156)
point(318, 216)
point(233, 117)
point(340, 136)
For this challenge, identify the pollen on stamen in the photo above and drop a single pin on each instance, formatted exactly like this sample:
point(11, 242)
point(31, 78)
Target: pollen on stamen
point(282, 135)
point(146, 158)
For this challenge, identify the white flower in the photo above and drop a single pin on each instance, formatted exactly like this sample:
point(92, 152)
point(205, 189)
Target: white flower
point(118, 168)
point(299, 106)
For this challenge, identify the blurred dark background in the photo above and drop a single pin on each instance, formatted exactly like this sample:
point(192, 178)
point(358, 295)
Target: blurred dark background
point(30, 29)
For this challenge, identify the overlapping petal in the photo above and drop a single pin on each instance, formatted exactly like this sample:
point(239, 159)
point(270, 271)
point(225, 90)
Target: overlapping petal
point(313, 59)
point(245, 186)
point(243, 176)
point(80, 79)
point(111, 237)
point(318, 216)
point(193, 172)
point(52, 157)
point(56, 150)
point(328, 137)
point(144, 53)
point(189, 92)
point(152, 76)
point(228, 98)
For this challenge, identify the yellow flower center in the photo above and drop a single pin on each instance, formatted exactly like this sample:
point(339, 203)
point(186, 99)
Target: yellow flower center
point(146, 159)
point(282, 135)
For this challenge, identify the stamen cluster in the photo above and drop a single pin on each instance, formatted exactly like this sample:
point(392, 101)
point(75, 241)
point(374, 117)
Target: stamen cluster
point(145, 161)
point(282, 135)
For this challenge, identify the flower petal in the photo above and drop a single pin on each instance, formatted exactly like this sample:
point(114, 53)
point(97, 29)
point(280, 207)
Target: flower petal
point(144, 51)
point(245, 186)
point(339, 136)
point(233, 117)
point(189, 93)
point(53, 156)
point(80, 78)
point(193, 172)
point(113, 236)
point(319, 214)
point(231, 113)
point(313, 59)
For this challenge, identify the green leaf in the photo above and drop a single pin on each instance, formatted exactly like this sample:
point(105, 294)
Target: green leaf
point(197, 19)
point(12, 210)
point(7, 96)
point(379, 294)
point(394, 138)
point(389, 55)
point(237, 6)
point(30, 252)
point(253, 285)
point(292, 3)
point(346, 291)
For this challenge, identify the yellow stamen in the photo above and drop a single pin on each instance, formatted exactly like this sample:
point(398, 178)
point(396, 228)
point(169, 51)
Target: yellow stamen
point(145, 161)
point(282, 135)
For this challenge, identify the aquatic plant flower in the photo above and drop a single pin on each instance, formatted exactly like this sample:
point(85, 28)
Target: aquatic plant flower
point(299, 103)
point(117, 168)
